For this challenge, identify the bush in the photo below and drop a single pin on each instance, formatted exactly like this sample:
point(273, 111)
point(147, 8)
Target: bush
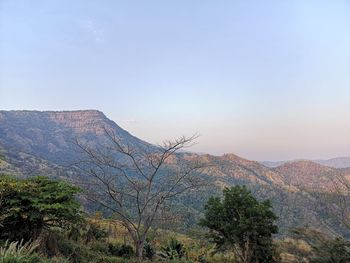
point(101, 247)
point(174, 250)
point(109, 259)
point(95, 232)
point(19, 252)
point(17, 249)
point(118, 250)
point(74, 252)
point(34, 258)
point(148, 251)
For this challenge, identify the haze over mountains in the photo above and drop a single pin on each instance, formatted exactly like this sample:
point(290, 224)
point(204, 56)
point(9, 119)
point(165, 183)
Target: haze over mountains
point(34, 142)
point(338, 162)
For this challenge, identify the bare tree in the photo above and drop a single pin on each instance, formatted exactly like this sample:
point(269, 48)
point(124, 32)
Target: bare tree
point(136, 181)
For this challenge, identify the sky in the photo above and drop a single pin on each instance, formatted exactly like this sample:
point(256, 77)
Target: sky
point(266, 80)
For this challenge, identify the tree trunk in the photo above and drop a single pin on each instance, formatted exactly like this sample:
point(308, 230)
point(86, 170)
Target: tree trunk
point(139, 249)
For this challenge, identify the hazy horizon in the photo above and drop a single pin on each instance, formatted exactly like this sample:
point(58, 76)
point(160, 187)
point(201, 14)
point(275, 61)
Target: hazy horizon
point(267, 80)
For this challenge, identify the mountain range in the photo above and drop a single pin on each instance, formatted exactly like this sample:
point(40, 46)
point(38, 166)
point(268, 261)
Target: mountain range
point(43, 143)
point(338, 162)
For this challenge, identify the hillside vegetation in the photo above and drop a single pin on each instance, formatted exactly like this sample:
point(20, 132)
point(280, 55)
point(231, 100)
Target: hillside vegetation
point(43, 143)
point(76, 147)
point(40, 223)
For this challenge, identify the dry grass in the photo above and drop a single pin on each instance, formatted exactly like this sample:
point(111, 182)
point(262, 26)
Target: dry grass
point(18, 250)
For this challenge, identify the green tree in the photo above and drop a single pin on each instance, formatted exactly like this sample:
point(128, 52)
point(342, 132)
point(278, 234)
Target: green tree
point(29, 205)
point(242, 223)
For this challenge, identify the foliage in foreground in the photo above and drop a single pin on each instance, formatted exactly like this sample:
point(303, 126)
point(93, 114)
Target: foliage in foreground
point(174, 250)
point(30, 205)
point(242, 223)
point(20, 252)
point(17, 249)
point(236, 222)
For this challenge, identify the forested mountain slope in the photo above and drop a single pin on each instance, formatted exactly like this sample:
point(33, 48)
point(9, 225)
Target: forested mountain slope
point(34, 142)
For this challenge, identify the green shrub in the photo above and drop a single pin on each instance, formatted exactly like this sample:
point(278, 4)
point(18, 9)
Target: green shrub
point(34, 258)
point(109, 259)
point(174, 250)
point(17, 251)
point(101, 247)
point(148, 251)
point(74, 252)
point(95, 232)
point(118, 250)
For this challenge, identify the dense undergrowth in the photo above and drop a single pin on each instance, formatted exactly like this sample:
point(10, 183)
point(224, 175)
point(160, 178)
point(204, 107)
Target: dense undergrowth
point(105, 241)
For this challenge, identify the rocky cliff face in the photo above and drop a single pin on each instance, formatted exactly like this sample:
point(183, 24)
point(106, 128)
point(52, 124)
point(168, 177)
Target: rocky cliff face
point(51, 134)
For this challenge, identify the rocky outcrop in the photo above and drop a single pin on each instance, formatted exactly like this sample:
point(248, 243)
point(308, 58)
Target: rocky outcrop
point(51, 134)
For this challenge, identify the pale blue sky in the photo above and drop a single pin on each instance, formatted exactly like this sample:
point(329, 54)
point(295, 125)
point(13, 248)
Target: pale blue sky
point(267, 80)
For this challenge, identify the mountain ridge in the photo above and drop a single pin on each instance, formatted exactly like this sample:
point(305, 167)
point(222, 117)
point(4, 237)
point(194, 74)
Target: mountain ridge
point(336, 162)
point(51, 134)
point(42, 142)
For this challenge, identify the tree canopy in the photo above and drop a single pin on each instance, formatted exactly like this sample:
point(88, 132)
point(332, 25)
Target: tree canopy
point(29, 205)
point(242, 223)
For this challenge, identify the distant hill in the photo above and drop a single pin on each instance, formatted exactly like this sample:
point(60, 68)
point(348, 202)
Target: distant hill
point(307, 174)
point(42, 143)
point(339, 162)
point(273, 164)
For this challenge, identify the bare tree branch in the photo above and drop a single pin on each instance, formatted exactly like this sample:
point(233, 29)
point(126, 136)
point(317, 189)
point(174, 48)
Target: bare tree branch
point(136, 181)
